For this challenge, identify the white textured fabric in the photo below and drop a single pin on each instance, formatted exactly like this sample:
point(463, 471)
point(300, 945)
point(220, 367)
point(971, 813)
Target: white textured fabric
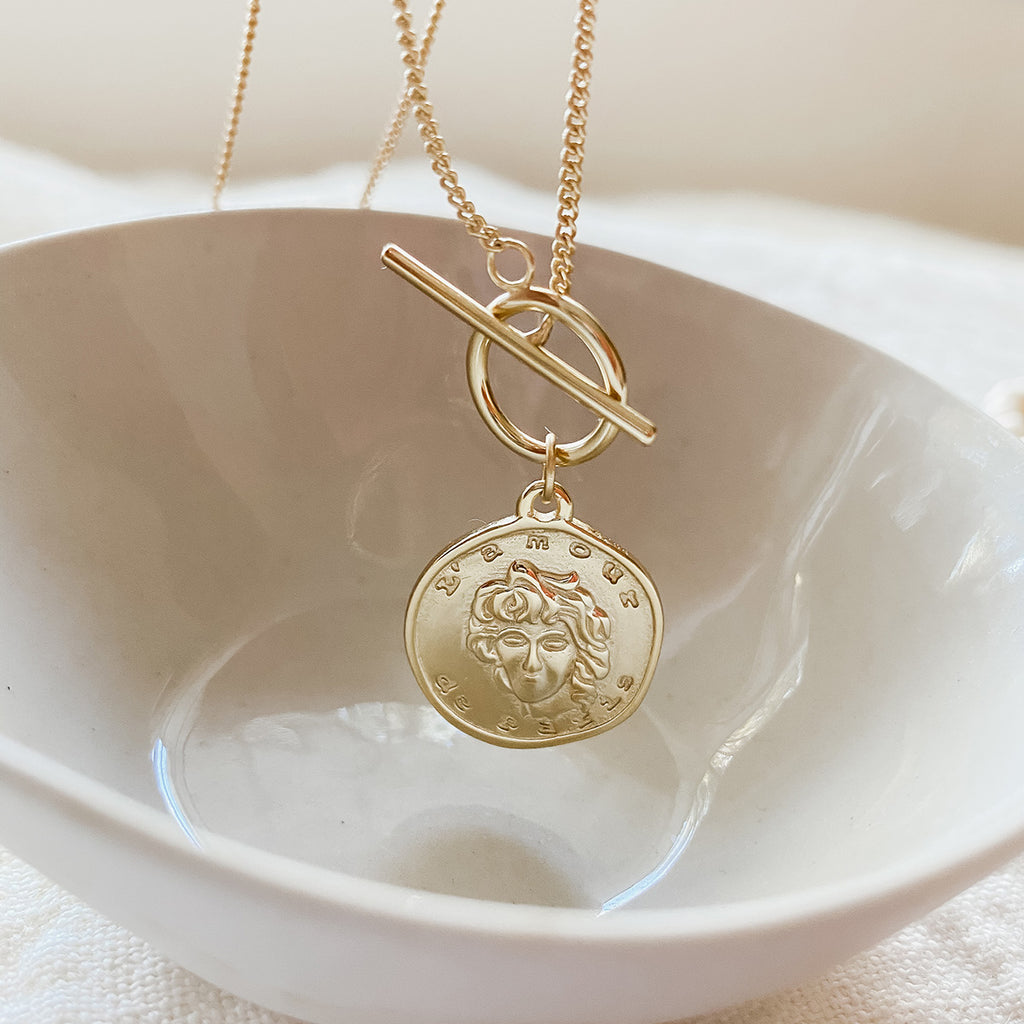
point(951, 307)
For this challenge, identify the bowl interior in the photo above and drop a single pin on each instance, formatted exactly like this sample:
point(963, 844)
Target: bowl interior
point(230, 444)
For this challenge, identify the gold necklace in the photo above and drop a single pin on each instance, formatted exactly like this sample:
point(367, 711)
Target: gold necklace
point(534, 630)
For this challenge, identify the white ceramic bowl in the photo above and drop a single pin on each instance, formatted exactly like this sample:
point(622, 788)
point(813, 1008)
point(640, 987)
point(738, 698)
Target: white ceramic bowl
point(230, 442)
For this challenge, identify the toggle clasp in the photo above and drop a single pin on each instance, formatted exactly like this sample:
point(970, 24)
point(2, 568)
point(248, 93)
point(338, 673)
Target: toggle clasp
point(607, 402)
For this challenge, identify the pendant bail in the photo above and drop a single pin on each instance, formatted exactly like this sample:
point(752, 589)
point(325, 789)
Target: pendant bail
point(512, 285)
point(488, 322)
point(550, 462)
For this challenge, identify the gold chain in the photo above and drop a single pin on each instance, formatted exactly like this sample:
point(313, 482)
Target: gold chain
point(434, 144)
point(570, 174)
point(415, 98)
point(235, 114)
point(388, 143)
point(573, 139)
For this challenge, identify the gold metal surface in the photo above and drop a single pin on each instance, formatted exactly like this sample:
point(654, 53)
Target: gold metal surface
point(389, 142)
point(552, 455)
point(486, 321)
point(511, 284)
point(237, 99)
point(570, 173)
point(613, 375)
point(535, 630)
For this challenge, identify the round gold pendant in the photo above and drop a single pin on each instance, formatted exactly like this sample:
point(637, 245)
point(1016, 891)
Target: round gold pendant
point(534, 630)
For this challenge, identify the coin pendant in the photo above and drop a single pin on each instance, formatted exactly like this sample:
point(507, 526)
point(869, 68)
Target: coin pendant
point(534, 630)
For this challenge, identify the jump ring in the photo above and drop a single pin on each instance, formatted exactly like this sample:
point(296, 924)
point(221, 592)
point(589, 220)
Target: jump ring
point(510, 284)
point(550, 461)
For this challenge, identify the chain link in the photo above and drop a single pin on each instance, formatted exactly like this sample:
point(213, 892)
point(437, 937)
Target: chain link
point(430, 133)
point(400, 116)
point(570, 176)
point(415, 99)
point(235, 114)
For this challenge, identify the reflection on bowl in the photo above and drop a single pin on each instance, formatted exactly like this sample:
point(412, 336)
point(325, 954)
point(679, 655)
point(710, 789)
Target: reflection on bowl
point(229, 445)
point(388, 790)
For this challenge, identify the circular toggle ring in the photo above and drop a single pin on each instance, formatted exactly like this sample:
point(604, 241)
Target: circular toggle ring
point(579, 320)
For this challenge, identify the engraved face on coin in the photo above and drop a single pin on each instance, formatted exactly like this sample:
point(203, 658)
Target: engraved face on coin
point(532, 632)
point(540, 632)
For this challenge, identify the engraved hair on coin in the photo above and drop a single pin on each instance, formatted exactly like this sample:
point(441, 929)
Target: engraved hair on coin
point(539, 631)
